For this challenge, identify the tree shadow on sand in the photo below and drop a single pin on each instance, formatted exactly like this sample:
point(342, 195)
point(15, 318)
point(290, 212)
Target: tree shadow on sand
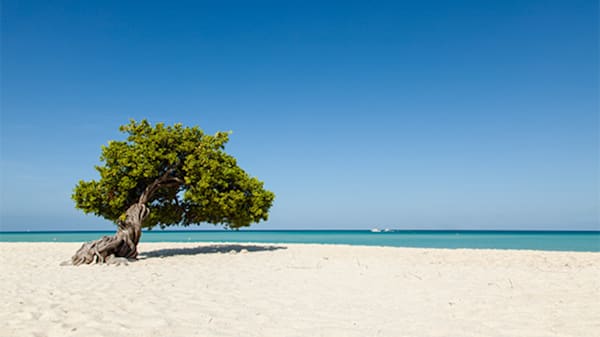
point(209, 249)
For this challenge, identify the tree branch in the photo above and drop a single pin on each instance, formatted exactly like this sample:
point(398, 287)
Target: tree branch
point(163, 181)
point(174, 180)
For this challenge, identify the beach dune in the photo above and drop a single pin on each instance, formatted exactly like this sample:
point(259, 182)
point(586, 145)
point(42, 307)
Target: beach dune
point(204, 289)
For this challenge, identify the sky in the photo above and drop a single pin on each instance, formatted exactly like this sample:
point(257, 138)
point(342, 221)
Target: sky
point(356, 114)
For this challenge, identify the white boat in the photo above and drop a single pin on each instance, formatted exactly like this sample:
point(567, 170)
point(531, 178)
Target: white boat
point(375, 230)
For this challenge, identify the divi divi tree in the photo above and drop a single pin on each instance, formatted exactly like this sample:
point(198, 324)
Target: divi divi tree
point(163, 176)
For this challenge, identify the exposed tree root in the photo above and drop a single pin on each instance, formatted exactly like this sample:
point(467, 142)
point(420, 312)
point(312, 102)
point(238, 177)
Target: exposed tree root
point(121, 245)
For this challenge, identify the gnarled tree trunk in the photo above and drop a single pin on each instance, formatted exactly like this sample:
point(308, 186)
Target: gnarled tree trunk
point(122, 244)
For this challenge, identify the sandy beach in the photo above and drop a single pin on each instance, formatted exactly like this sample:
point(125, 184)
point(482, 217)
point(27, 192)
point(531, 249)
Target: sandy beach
point(200, 289)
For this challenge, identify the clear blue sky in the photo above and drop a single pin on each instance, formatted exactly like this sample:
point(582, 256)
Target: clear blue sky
point(420, 114)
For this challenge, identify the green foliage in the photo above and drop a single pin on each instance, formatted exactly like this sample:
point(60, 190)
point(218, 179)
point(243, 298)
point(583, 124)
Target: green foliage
point(202, 182)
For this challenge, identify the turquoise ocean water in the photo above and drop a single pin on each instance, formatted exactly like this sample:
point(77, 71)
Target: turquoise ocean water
point(536, 240)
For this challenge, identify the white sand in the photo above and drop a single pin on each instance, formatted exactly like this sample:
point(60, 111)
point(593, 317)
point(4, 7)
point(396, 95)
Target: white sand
point(299, 290)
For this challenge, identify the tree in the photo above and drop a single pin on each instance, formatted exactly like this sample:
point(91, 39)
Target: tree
point(163, 176)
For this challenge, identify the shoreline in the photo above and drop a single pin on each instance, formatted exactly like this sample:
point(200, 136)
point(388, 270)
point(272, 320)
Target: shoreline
point(264, 289)
point(342, 245)
point(522, 240)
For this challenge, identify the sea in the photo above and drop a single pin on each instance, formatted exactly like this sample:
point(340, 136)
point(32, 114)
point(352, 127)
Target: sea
point(580, 241)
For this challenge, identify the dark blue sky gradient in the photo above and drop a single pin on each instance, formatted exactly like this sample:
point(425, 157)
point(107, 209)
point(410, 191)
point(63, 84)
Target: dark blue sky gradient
point(423, 114)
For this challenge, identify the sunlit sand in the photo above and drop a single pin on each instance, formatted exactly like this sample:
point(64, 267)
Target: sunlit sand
point(199, 289)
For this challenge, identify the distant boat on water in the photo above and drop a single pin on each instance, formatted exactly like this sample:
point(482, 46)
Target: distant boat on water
point(377, 230)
